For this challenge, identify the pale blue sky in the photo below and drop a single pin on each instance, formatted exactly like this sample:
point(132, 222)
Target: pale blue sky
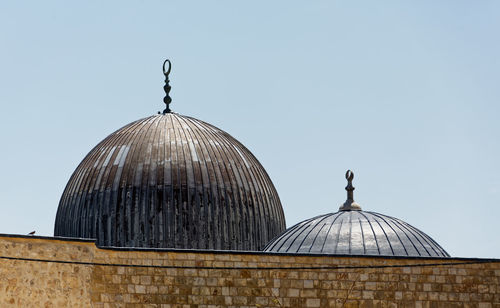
point(404, 93)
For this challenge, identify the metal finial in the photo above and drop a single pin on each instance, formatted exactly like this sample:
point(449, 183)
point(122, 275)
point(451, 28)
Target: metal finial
point(350, 204)
point(167, 99)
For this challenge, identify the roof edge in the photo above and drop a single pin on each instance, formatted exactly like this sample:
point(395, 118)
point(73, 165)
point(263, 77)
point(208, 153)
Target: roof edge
point(243, 252)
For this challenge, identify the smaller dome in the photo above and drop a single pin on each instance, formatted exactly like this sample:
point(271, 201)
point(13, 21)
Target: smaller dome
point(356, 232)
point(351, 231)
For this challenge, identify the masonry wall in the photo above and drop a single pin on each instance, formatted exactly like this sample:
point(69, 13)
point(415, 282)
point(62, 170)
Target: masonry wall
point(44, 284)
point(114, 278)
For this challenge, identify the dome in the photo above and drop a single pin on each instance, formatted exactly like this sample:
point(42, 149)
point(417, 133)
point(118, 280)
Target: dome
point(352, 231)
point(356, 233)
point(171, 181)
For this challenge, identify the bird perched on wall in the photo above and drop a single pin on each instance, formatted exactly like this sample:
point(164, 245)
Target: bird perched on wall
point(32, 233)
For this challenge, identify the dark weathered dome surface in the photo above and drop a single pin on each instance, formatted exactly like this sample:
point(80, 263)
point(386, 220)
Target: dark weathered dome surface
point(356, 232)
point(171, 181)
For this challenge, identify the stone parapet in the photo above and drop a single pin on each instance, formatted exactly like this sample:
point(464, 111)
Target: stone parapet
point(49, 272)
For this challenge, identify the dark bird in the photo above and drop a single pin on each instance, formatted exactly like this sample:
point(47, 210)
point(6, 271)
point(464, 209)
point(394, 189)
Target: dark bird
point(32, 233)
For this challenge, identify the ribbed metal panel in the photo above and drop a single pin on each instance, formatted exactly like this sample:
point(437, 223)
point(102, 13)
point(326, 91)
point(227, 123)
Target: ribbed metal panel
point(356, 233)
point(171, 181)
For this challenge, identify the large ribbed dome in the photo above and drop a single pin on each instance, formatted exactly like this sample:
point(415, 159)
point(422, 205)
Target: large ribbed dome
point(356, 232)
point(351, 231)
point(171, 181)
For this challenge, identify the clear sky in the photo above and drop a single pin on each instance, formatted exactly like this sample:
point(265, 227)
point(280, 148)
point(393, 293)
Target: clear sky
point(404, 93)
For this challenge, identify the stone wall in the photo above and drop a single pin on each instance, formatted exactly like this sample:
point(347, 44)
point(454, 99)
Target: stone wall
point(176, 278)
point(44, 284)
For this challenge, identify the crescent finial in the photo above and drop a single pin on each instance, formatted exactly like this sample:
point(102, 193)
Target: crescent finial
point(167, 99)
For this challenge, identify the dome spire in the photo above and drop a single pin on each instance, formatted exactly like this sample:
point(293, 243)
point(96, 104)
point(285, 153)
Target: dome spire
point(350, 204)
point(167, 99)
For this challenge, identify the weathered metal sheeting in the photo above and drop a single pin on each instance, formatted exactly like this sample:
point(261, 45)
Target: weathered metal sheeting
point(171, 181)
point(356, 233)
